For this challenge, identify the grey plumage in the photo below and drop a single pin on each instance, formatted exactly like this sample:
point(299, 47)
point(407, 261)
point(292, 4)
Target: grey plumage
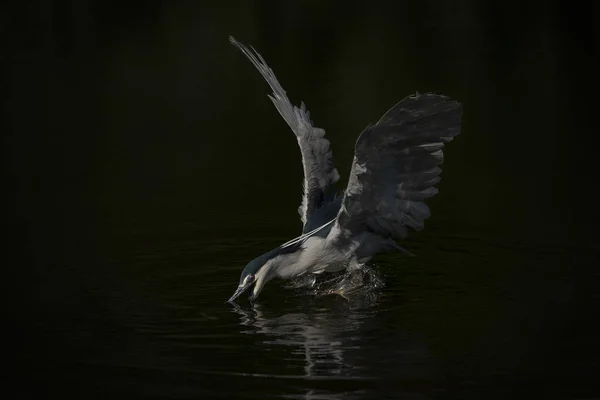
point(317, 160)
point(395, 167)
point(396, 163)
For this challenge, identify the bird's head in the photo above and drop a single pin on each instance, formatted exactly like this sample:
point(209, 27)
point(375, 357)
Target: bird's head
point(254, 276)
point(264, 268)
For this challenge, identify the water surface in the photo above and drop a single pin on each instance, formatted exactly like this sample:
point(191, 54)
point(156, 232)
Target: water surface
point(468, 317)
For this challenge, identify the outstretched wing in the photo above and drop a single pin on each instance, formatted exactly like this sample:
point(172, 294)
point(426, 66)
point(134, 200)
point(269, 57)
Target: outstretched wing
point(396, 163)
point(320, 174)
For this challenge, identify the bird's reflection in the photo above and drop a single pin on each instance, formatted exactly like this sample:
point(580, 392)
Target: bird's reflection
point(320, 335)
point(313, 336)
point(317, 340)
point(338, 336)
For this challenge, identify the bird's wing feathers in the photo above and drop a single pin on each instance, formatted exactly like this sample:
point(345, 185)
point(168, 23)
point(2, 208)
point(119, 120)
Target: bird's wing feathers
point(317, 160)
point(395, 167)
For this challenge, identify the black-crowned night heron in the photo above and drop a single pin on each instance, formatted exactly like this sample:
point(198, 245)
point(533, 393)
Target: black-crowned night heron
point(396, 163)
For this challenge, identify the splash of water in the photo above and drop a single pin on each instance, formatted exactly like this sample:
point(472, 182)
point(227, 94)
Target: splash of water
point(359, 286)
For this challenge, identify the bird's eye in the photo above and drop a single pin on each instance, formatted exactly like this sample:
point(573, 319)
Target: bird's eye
point(248, 279)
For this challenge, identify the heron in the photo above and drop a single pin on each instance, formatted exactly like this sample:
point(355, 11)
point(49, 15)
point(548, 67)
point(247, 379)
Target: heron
point(395, 166)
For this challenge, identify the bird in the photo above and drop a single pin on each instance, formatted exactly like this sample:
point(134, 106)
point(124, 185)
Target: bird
point(394, 169)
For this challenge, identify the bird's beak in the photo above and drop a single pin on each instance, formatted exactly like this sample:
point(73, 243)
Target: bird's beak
point(241, 289)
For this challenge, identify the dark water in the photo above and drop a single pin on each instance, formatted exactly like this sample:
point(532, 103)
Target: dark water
point(145, 166)
point(467, 318)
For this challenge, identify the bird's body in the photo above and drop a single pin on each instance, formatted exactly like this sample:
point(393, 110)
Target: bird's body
point(394, 169)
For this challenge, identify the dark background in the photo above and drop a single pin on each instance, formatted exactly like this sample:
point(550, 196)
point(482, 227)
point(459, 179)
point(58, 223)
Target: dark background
point(131, 121)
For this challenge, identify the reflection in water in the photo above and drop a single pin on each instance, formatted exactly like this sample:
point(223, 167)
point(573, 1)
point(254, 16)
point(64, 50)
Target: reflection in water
point(316, 337)
point(326, 336)
point(317, 340)
point(320, 338)
point(319, 335)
